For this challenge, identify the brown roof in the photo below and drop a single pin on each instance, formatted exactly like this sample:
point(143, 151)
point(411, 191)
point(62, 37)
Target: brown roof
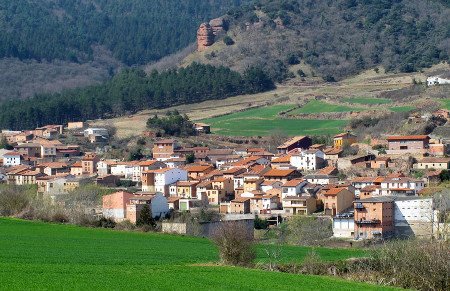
point(344, 134)
point(240, 200)
point(187, 183)
point(408, 137)
point(435, 160)
point(291, 141)
point(278, 173)
point(77, 165)
point(333, 151)
point(165, 141)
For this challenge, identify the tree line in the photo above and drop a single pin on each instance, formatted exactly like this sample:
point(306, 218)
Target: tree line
point(130, 91)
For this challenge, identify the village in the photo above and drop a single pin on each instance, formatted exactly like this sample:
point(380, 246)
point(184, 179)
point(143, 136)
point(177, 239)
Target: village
point(390, 190)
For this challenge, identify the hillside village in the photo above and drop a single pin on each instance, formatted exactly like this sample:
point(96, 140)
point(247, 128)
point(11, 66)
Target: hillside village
point(390, 189)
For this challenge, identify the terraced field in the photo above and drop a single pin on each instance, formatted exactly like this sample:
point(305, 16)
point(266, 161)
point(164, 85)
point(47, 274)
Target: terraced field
point(36, 255)
point(317, 106)
point(265, 120)
point(367, 101)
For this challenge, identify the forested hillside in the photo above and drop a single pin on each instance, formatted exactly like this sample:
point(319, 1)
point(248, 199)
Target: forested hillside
point(136, 31)
point(337, 38)
point(130, 91)
point(50, 45)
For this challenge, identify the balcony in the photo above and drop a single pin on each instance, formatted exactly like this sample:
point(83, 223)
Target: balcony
point(368, 221)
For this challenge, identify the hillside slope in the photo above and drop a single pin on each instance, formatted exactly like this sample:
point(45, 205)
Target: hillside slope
point(58, 43)
point(336, 38)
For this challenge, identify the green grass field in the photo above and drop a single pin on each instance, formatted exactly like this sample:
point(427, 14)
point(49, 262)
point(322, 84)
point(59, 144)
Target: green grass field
point(402, 108)
point(263, 121)
point(367, 101)
point(446, 103)
point(35, 255)
point(317, 106)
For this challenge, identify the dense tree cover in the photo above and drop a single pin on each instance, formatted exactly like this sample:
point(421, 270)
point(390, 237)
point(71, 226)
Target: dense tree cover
point(173, 124)
point(136, 31)
point(343, 37)
point(130, 91)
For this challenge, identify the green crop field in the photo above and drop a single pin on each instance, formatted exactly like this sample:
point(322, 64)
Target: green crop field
point(263, 121)
point(317, 106)
point(402, 108)
point(367, 101)
point(35, 255)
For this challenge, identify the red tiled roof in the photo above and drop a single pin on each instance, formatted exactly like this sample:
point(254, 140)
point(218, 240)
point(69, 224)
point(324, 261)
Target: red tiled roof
point(293, 183)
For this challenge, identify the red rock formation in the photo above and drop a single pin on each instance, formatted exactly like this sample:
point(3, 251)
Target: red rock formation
point(205, 36)
point(217, 25)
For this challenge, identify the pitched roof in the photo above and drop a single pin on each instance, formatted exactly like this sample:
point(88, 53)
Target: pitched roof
point(278, 173)
point(334, 191)
point(327, 170)
point(291, 141)
point(408, 137)
point(283, 159)
point(435, 160)
point(198, 168)
point(293, 183)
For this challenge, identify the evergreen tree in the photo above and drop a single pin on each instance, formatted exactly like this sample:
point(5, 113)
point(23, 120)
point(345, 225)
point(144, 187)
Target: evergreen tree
point(145, 217)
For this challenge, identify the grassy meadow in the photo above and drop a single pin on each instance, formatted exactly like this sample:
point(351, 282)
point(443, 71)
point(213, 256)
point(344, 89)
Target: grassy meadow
point(265, 120)
point(367, 100)
point(35, 255)
point(317, 106)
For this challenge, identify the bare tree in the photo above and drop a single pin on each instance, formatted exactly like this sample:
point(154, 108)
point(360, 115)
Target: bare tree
point(236, 246)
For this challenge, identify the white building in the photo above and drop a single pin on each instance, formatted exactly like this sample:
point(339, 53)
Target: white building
point(344, 227)
point(400, 186)
point(96, 131)
point(292, 188)
point(12, 159)
point(123, 169)
point(307, 160)
point(167, 176)
point(321, 179)
point(437, 80)
point(414, 216)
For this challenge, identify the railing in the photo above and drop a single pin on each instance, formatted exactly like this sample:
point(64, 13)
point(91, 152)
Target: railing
point(368, 221)
point(359, 206)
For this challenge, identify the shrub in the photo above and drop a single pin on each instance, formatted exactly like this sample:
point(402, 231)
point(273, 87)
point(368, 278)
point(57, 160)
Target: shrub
point(414, 264)
point(261, 223)
point(235, 247)
point(228, 40)
point(13, 200)
point(60, 217)
point(106, 223)
point(304, 230)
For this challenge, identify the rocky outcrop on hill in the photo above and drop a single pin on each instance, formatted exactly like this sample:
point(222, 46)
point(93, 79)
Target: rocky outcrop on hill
point(218, 25)
point(205, 36)
point(207, 32)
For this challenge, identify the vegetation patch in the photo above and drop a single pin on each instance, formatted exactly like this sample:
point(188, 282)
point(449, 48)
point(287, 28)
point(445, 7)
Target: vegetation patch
point(446, 103)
